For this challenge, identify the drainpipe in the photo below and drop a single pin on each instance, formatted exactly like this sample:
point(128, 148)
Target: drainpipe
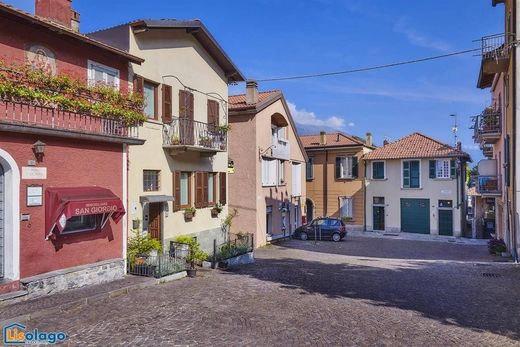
point(325, 185)
point(365, 204)
point(513, 152)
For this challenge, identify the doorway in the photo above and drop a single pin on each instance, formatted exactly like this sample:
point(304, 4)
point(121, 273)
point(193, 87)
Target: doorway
point(154, 220)
point(446, 217)
point(379, 218)
point(309, 209)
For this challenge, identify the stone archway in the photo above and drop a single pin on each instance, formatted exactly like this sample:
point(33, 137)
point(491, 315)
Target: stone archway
point(10, 216)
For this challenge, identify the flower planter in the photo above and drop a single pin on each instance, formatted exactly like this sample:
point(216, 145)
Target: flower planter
point(215, 212)
point(191, 273)
point(188, 216)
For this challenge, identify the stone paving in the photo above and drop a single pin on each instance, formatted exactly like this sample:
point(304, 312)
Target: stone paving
point(360, 292)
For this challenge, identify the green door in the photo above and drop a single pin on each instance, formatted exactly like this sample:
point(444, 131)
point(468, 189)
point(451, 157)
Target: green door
point(446, 222)
point(379, 218)
point(415, 216)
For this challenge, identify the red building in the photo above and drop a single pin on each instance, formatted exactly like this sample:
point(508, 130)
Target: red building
point(62, 171)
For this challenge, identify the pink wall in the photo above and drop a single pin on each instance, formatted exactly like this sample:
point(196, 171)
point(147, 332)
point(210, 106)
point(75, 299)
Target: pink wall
point(69, 164)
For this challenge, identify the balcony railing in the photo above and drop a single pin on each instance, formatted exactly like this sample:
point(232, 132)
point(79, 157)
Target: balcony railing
point(494, 47)
point(182, 132)
point(488, 126)
point(18, 113)
point(281, 149)
point(489, 185)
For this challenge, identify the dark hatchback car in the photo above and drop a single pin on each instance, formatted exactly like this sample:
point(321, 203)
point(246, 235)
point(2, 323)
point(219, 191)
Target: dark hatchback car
point(322, 229)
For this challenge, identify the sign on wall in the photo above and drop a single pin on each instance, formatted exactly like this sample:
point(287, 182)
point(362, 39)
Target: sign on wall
point(34, 173)
point(34, 195)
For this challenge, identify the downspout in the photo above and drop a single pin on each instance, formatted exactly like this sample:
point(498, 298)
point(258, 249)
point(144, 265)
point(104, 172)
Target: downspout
point(325, 185)
point(513, 152)
point(365, 195)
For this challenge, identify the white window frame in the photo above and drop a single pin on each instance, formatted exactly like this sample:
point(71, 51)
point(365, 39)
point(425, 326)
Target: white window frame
point(348, 161)
point(296, 179)
point(372, 169)
point(350, 208)
point(91, 73)
point(443, 173)
point(280, 170)
point(420, 173)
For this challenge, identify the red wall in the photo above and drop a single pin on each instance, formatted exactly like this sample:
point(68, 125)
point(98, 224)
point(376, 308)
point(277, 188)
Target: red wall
point(71, 54)
point(69, 163)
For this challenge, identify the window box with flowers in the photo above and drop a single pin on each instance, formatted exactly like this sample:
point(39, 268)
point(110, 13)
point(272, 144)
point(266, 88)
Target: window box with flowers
point(189, 213)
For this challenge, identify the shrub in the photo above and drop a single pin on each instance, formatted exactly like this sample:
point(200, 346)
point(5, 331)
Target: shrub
point(196, 253)
point(496, 246)
point(142, 245)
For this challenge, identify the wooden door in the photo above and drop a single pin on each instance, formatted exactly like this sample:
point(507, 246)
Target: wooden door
point(154, 220)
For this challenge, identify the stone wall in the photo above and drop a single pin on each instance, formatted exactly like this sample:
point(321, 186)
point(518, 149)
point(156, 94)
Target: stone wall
point(76, 277)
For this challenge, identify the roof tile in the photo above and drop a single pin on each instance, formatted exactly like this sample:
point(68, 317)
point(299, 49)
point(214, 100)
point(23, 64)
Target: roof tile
point(238, 102)
point(332, 140)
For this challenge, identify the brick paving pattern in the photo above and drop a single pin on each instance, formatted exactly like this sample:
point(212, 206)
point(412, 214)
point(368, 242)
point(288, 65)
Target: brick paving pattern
point(361, 292)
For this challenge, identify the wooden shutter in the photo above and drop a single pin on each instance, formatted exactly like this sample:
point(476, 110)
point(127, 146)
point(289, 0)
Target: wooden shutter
point(222, 188)
point(338, 167)
point(182, 104)
point(191, 105)
point(139, 85)
point(355, 167)
point(433, 169)
point(205, 189)
point(213, 112)
point(453, 168)
point(199, 190)
point(177, 191)
point(166, 103)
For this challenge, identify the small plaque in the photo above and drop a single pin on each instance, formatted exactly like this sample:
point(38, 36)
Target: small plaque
point(34, 196)
point(34, 173)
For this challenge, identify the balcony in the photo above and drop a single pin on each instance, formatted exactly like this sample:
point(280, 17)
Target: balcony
point(489, 185)
point(487, 151)
point(185, 135)
point(281, 149)
point(26, 118)
point(488, 126)
point(495, 54)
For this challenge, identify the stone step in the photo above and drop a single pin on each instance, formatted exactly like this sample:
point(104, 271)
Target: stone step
point(13, 295)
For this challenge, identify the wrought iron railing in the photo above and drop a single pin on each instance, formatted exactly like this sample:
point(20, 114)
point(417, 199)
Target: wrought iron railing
point(494, 47)
point(47, 117)
point(488, 122)
point(489, 185)
point(156, 266)
point(237, 244)
point(186, 132)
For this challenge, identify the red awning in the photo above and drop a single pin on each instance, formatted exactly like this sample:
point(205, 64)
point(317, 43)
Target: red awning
point(64, 203)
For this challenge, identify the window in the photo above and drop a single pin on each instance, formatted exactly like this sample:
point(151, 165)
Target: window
point(345, 207)
point(150, 99)
point(281, 134)
point(346, 167)
point(310, 169)
point(442, 168)
point(184, 199)
point(281, 172)
point(269, 167)
point(211, 188)
point(81, 223)
point(296, 179)
point(101, 74)
point(411, 174)
point(378, 170)
point(151, 180)
point(378, 200)
point(269, 220)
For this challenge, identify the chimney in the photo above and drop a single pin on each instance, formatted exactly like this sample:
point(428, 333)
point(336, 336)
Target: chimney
point(337, 137)
point(58, 11)
point(251, 92)
point(369, 139)
point(385, 142)
point(323, 138)
point(459, 146)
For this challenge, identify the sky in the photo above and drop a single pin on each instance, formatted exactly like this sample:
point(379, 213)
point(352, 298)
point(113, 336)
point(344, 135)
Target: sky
point(272, 38)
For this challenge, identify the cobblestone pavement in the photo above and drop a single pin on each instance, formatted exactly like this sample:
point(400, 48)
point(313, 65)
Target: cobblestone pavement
point(360, 292)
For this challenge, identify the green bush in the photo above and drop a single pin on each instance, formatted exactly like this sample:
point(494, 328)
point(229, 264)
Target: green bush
point(196, 253)
point(142, 245)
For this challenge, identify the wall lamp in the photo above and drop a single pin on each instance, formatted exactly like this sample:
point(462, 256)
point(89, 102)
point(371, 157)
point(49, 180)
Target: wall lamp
point(39, 150)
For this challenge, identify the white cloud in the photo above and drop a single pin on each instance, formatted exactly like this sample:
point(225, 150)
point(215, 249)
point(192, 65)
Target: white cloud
point(471, 147)
point(418, 39)
point(302, 116)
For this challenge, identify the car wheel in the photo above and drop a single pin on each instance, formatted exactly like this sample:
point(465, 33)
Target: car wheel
point(336, 237)
point(304, 237)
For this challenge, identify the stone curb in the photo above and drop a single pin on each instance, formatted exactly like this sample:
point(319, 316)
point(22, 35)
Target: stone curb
point(78, 303)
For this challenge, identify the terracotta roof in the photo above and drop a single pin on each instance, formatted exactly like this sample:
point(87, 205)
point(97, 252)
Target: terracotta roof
point(332, 140)
point(415, 145)
point(61, 29)
point(238, 102)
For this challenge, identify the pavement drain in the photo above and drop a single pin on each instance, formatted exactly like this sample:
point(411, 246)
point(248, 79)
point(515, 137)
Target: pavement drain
point(490, 275)
point(390, 235)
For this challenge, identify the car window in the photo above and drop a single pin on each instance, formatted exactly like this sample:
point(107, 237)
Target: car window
point(319, 222)
point(334, 222)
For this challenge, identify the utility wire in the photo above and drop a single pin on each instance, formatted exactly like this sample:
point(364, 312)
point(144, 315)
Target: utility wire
point(370, 68)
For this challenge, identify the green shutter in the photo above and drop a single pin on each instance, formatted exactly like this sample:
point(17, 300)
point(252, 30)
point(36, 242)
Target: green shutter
point(406, 174)
point(338, 167)
point(432, 169)
point(453, 169)
point(354, 167)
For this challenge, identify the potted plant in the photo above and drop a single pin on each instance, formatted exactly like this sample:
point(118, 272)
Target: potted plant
point(175, 140)
point(217, 208)
point(205, 141)
point(140, 247)
point(224, 128)
point(189, 213)
point(195, 253)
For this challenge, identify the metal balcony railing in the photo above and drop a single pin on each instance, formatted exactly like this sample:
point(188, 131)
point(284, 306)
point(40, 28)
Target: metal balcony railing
point(494, 47)
point(19, 113)
point(487, 125)
point(489, 185)
point(184, 132)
